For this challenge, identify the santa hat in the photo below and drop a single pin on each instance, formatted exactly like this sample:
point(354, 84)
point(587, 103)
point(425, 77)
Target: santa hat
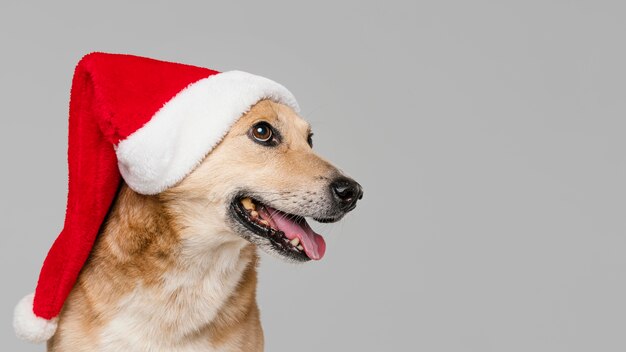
point(149, 122)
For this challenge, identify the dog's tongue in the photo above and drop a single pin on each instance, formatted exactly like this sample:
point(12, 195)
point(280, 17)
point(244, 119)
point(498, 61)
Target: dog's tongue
point(313, 243)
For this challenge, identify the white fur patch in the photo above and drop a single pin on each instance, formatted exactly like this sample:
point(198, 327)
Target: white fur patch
point(189, 126)
point(30, 327)
point(166, 318)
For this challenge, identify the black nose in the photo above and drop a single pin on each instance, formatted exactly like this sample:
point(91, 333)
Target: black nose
point(346, 192)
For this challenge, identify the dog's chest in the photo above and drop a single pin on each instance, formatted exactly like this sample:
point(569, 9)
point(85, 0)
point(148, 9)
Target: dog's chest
point(168, 317)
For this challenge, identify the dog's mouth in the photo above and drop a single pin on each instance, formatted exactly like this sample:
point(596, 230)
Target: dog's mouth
point(290, 235)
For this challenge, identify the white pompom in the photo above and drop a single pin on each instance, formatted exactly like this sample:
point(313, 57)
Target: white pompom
point(30, 327)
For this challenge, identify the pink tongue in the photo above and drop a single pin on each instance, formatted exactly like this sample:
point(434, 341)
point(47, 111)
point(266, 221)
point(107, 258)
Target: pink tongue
point(314, 245)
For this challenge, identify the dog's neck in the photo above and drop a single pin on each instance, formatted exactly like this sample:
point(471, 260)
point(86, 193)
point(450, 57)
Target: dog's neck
point(176, 271)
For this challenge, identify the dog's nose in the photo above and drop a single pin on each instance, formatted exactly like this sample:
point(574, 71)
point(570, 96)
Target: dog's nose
point(346, 192)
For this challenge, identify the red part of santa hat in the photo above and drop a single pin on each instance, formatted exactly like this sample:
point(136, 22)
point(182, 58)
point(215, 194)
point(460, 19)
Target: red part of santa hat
point(149, 122)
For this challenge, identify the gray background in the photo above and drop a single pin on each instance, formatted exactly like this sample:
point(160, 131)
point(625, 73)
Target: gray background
point(489, 137)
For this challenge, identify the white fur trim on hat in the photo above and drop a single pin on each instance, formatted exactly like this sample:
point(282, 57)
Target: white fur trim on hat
point(171, 144)
point(30, 327)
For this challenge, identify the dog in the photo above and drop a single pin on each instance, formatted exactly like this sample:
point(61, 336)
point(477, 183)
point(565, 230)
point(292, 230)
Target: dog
point(176, 271)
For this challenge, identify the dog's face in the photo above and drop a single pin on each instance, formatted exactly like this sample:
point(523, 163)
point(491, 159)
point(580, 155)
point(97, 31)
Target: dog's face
point(264, 179)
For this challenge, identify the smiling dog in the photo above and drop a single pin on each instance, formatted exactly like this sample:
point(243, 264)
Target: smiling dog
point(175, 270)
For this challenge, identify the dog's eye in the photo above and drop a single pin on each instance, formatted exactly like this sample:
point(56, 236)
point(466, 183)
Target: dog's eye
point(263, 133)
point(309, 140)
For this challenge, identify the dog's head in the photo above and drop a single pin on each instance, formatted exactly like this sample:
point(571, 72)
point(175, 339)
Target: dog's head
point(263, 180)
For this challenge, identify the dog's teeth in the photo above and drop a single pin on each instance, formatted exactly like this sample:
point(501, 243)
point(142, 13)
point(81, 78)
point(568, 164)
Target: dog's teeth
point(295, 241)
point(248, 204)
point(254, 214)
point(264, 222)
point(300, 247)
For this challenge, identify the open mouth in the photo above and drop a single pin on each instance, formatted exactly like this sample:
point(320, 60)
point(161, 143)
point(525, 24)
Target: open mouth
point(289, 234)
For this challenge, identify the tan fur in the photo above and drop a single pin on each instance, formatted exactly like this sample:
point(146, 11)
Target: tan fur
point(168, 273)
